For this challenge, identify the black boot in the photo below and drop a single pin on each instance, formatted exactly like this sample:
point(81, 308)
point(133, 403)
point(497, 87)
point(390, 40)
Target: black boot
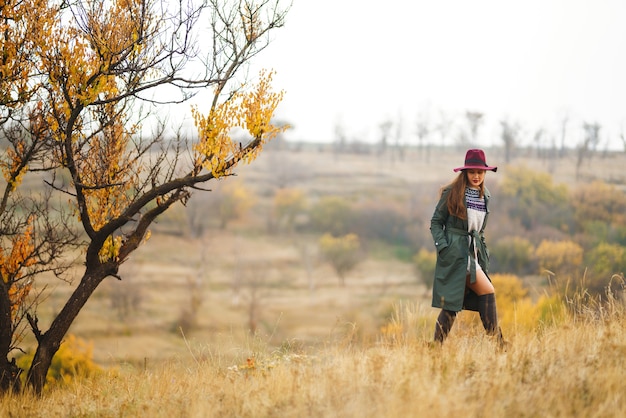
point(489, 316)
point(444, 324)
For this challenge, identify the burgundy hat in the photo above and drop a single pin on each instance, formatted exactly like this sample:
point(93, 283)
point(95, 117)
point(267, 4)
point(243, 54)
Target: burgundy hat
point(475, 160)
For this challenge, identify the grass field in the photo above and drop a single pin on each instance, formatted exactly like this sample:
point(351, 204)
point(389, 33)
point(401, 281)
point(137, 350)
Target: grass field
point(318, 348)
point(574, 370)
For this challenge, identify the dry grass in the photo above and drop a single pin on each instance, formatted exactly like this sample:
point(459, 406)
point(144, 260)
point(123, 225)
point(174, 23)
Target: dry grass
point(319, 349)
point(572, 370)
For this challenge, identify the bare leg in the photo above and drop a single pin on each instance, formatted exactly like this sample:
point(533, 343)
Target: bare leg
point(482, 286)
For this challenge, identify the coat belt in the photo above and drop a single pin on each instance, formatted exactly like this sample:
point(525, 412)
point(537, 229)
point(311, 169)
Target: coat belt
point(474, 236)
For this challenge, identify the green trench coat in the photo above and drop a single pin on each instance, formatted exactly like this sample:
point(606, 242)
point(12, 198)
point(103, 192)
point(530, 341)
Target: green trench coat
point(451, 240)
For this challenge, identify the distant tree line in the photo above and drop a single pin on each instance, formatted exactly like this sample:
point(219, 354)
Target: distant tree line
point(430, 132)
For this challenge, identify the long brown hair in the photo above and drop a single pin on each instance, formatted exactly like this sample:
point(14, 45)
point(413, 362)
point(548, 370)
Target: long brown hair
point(456, 197)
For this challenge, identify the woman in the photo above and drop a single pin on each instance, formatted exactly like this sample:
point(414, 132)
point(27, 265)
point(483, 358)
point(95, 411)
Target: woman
point(457, 227)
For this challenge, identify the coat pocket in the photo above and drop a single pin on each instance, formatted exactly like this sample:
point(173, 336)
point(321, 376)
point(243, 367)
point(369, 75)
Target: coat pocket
point(451, 260)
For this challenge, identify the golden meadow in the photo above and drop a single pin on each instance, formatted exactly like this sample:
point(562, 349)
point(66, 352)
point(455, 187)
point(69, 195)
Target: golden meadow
point(564, 365)
point(321, 349)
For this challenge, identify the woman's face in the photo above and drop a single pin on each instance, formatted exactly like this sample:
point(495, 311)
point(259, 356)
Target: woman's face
point(475, 177)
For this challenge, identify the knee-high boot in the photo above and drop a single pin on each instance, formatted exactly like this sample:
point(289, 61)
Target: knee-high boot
point(444, 324)
point(489, 315)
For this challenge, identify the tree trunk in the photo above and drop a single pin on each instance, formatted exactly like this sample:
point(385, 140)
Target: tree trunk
point(9, 376)
point(50, 341)
point(9, 372)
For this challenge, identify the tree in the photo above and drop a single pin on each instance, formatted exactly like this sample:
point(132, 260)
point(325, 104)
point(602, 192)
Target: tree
point(422, 130)
point(564, 122)
point(399, 146)
point(333, 214)
point(509, 135)
point(31, 241)
point(474, 120)
point(588, 145)
point(385, 133)
point(288, 204)
point(80, 81)
point(343, 253)
point(444, 125)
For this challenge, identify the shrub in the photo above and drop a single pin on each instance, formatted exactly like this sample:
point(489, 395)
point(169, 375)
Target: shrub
point(514, 306)
point(618, 234)
point(509, 287)
point(559, 257)
point(552, 310)
point(288, 204)
point(600, 202)
point(73, 360)
point(383, 221)
point(424, 262)
point(513, 255)
point(534, 199)
point(343, 253)
point(332, 214)
point(603, 262)
point(595, 231)
point(516, 310)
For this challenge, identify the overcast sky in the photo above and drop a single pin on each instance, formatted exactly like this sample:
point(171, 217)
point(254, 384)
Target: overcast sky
point(357, 63)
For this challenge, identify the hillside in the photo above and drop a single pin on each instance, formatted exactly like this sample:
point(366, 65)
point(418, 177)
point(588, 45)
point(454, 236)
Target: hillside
point(243, 277)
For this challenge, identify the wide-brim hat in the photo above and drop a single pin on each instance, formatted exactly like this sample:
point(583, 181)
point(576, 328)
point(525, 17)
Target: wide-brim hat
point(475, 160)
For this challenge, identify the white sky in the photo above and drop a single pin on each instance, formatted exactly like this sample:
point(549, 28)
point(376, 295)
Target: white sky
point(357, 63)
